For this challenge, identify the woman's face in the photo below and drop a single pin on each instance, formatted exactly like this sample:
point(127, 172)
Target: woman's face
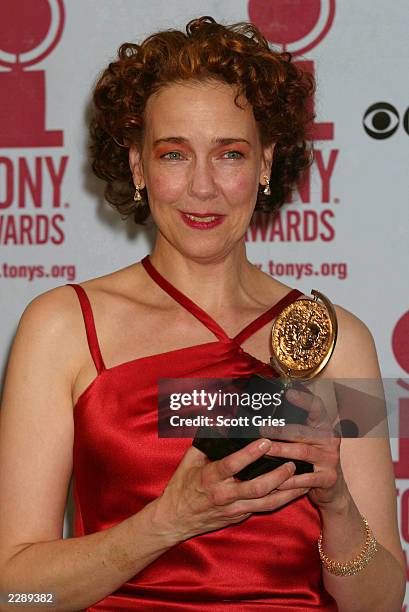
point(202, 163)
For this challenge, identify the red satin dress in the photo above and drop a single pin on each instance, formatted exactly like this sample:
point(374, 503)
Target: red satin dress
point(269, 561)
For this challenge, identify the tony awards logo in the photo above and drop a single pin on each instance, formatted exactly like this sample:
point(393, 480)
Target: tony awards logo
point(29, 31)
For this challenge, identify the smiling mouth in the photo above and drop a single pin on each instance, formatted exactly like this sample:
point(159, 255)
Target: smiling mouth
point(206, 220)
point(203, 219)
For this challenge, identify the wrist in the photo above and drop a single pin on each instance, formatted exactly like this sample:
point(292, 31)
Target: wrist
point(342, 529)
point(357, 563)
point(342, 506)
point(160, 526)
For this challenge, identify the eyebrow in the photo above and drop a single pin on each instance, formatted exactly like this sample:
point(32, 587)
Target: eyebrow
point(219, 141)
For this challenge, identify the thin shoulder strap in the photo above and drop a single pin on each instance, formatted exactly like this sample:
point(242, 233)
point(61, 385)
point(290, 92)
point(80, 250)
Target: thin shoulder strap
point(89, 327)
point(267, 316)
point(183, 300)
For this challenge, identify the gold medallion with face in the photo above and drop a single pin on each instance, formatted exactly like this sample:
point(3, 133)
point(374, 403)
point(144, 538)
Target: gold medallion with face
point(303, 337)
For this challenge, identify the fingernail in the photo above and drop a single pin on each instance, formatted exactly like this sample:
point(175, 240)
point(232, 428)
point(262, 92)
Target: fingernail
point(303, 491)
point(291, 465)
point(265, 445)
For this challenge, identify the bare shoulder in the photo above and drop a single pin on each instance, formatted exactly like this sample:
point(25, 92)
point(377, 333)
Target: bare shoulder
point(51, 326)
point(52, 307)
point(355, 354)
point(351, 324)
point(53, 320)
point(58, 309)
point(52, 314)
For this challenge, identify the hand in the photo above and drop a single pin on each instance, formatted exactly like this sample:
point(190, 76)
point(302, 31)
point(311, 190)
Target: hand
point(203, 495)
point(316, 443)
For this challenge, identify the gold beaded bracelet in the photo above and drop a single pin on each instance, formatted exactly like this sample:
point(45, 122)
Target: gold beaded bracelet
point(358, 563)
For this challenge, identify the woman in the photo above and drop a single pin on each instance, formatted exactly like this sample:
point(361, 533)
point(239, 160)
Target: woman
point(195, 130)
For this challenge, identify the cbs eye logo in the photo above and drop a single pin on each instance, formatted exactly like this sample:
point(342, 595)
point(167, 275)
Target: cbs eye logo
point(381, 120)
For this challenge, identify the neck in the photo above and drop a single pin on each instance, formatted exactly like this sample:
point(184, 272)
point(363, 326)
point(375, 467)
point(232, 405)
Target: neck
point(213, 283)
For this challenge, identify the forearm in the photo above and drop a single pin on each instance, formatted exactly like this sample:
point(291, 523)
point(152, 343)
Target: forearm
point(379, 586)
point(81, 571)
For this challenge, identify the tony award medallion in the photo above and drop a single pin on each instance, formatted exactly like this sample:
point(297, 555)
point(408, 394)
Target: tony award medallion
point(303, 337)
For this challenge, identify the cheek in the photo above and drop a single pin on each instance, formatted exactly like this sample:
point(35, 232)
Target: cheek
point(165, 187)
point(245, 184)
point(240, 190)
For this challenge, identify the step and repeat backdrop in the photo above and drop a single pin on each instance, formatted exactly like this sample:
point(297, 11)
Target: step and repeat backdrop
point(346, 233)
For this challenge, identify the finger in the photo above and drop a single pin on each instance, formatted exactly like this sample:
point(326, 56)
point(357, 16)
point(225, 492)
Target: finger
point(274, 500)
point(298, 450)
point(319, 479)
point(300, 481)
point(232, 464)
point(264, 484)
point(279, 498)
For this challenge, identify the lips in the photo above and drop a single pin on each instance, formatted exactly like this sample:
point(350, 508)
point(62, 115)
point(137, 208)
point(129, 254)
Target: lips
point(205, 220)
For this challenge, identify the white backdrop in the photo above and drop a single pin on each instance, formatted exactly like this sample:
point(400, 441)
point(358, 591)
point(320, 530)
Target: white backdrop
point(351, 228)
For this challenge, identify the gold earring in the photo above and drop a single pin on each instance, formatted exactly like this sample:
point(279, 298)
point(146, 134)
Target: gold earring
point(267, 190)
point(137, 195)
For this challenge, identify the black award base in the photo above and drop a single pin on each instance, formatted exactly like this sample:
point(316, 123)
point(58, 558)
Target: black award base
point(217, 443)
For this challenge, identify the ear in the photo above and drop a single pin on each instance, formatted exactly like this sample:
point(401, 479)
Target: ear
point(266, 162)
point(136, 166)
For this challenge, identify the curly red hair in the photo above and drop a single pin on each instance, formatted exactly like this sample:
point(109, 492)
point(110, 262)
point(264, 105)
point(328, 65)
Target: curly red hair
point(238, 54)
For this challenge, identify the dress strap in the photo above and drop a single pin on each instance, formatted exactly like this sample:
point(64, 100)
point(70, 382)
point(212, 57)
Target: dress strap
point(267, 316)
point(89, 327)
point(210, 323)
point(183, 300)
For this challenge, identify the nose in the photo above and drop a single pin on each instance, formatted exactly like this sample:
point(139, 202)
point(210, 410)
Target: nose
point(201, 182)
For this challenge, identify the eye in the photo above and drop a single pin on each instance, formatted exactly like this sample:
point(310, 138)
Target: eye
point(381, 120)
point(173, 155)
point(237, 154)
